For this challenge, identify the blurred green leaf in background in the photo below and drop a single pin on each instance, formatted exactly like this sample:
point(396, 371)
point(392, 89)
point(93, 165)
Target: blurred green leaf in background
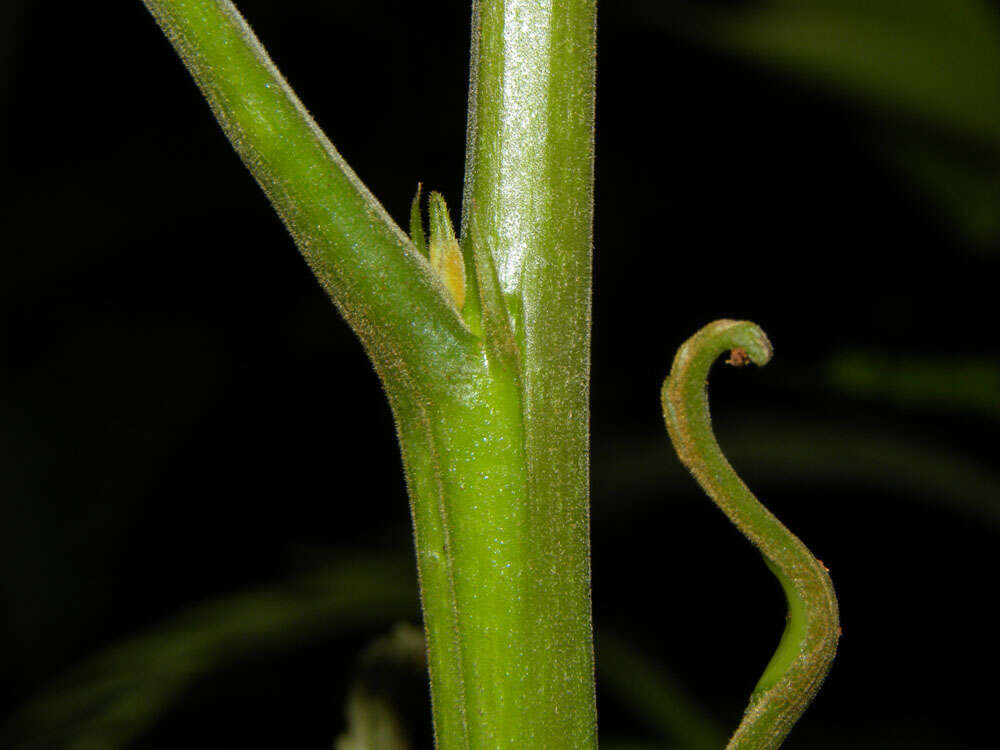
point(969, 385)
point(926, 72)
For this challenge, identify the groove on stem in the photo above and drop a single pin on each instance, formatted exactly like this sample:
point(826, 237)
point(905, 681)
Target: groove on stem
point(809, 643)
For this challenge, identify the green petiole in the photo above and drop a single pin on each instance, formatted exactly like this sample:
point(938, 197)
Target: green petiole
point(809, 643)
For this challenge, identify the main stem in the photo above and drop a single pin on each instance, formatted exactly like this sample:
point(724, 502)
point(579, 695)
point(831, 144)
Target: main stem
point(515, 650)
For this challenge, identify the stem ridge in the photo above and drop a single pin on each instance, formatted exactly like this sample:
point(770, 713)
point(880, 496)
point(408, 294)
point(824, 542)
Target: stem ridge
point(809, 643)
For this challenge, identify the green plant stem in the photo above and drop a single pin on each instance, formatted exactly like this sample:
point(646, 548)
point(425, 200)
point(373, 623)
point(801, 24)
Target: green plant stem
point(492, 426)
point(809, 642)
point(529, 195)
point(381, 285)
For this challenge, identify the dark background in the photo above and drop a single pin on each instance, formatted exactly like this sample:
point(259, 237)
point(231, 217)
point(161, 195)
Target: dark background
point(188, 431)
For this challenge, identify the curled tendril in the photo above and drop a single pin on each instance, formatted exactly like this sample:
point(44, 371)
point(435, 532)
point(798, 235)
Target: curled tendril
point(809, 643)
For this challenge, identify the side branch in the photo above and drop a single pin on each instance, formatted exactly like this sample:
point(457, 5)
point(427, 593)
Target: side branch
point(382, 286)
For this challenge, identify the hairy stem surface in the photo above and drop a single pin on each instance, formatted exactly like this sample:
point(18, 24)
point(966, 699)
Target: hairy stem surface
point(528, 201)
point(487, 377)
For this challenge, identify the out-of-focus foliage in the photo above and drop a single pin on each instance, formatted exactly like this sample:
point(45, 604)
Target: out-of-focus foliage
point(969, 385)
point(393, 670)
point(937, 59)
point(655, 698)
point(110, 701)
point(927, 73)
